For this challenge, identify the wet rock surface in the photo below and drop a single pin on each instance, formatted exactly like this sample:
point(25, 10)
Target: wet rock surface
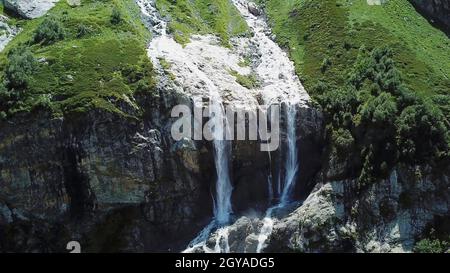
point(386, 217)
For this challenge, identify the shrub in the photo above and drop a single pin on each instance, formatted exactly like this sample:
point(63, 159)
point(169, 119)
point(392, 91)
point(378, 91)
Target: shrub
point(326, 63)
point(422, 132)
point(338, 105)
point(116, 17)
point(343, 140)
point(83, 30)
point(431, 246)
point(381, 110)
point(21, 65)
point(49, 31)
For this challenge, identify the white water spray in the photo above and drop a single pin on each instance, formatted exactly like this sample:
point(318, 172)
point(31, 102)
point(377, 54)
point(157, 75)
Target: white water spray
point(291, 170)
point(222, 153)
point(201, 68)
point(292, 155)
point(160, 45)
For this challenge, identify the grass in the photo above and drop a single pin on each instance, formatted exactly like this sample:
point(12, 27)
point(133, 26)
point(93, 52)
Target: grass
point(385, 120)
point(245, 62)
point(92, 71)
point(188, 17)
point(248, 81)
point(335, 30)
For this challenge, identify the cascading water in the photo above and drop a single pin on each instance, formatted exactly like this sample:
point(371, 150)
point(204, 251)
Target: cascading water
point(292, 155)
point(162, 43)
point(291, 170)
point(222, 206)
point(202, 68)
point(283, 85)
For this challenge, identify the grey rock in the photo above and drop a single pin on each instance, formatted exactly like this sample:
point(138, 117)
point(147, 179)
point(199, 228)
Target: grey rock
point(436, 10)
point(335, 218)
point(7, 31)
point(74, 3)
point(253, 9)
point(30, 9)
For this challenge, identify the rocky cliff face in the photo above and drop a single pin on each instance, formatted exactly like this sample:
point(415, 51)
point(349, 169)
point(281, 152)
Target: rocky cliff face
point(386, 217)
point(119, 183)
point(29, 9)
point(437, 10)
point(122, 184)
point(74, 173)
point(337, 216)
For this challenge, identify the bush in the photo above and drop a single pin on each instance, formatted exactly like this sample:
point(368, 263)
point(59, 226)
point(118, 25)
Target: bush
point(339, 105)
point(326, 63)
point(116, 17)
point(83, 30)
point(20, 67)
point(49, 32)
point(343, 140)
point(381, 110)
point(422, 132)
point(431, 246)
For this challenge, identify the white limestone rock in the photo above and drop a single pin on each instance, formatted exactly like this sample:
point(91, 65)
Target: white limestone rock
point(30, 9)
point(7, 32)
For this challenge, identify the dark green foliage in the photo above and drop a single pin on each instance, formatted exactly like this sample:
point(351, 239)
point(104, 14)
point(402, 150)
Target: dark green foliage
point(436, 239)
point(378, 119)
point(83, 30)
point(422, 132)
point(326, 63)
point(49, 31)
point(116, 16)
point(19, 71)
point(5, 97)
point(379, 110)
point(20, 67)
point(343, 140)
point(431, 246)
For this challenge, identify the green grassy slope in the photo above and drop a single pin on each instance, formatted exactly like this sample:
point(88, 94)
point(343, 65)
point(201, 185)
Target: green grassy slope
point(380, 74)
point(336, 29)
point(101, 68)
point(189, 17)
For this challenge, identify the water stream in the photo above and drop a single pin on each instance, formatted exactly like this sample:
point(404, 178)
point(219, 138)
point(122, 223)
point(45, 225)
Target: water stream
point(202, 67)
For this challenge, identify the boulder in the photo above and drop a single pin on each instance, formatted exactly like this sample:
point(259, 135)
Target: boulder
point(29, 9)
point(74, 3)
point(253, 9)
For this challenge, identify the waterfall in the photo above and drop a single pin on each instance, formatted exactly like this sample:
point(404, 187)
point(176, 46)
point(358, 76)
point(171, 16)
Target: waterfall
point(266, 230)
point(291, 170)
point(202, 68)
point(162, 43)
point(292, 155)
point(222, 152)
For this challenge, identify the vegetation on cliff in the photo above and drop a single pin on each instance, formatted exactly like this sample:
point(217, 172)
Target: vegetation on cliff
point(218, 17)
point(380, 73)
point(90, 56)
